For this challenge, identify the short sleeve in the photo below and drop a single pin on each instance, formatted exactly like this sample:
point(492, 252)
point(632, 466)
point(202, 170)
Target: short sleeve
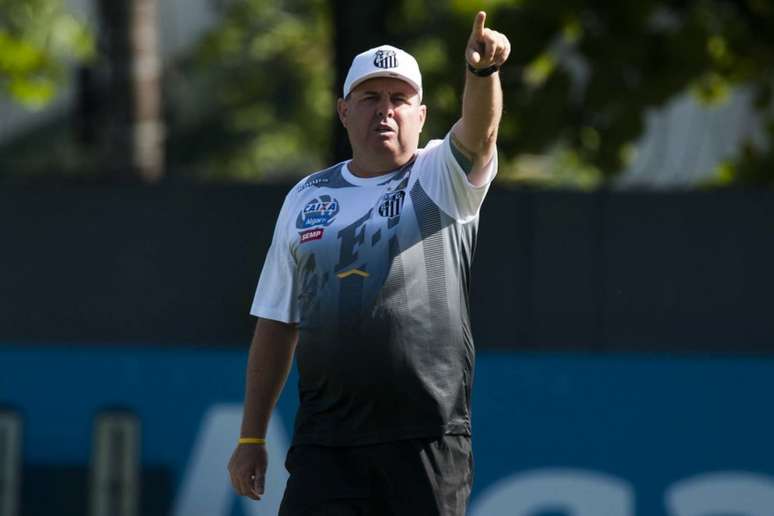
point(275, 297)
point(446, 183)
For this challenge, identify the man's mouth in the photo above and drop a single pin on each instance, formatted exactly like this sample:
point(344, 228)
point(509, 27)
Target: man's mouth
point(384, 128)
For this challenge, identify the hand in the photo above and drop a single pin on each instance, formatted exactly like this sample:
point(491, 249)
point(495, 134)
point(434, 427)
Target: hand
point(486, 47)
point(247, 468)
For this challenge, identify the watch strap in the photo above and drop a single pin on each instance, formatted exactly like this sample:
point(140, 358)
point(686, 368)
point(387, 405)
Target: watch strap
point(483, 72)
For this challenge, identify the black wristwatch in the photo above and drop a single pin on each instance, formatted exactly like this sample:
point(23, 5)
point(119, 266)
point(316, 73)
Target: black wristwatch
point(483, 72)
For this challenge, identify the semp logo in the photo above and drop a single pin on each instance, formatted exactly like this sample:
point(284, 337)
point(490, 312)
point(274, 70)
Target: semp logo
point(391, 204)
point(318, 212)
point(386, 59)
point(311, 234)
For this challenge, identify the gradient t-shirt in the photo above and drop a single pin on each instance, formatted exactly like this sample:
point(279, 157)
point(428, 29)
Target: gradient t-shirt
point(375, 271)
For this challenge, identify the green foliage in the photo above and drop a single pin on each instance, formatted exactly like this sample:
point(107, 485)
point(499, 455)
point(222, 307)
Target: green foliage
point(754, 168)
point(255, 100)
point(255, 97)
point(582, 75)
point(37, 39)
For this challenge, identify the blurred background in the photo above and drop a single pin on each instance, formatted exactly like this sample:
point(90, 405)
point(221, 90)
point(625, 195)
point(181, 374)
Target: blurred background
point(622, 285)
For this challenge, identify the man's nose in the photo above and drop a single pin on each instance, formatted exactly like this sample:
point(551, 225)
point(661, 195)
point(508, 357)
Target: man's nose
point(385, 108)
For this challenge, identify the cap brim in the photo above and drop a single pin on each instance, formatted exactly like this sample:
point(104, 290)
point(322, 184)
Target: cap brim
point(386, 73)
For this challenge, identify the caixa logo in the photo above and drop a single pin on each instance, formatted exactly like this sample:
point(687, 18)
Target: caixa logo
point(318, 212)
point(578, 492)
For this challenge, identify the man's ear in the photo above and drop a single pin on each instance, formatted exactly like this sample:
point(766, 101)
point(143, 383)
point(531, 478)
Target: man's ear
point(422, 116)
point(342, 109)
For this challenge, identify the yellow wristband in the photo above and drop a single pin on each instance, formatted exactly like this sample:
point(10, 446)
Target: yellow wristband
point(252, 440)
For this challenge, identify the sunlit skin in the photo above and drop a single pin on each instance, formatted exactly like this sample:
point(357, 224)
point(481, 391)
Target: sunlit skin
point(383, 118)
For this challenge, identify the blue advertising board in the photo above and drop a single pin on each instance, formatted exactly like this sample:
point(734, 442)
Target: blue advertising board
point(562, 434)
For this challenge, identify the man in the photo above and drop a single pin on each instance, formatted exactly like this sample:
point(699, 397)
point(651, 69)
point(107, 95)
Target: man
point(366, 281)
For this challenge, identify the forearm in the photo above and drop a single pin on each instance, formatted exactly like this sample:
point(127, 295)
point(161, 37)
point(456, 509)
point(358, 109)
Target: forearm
point(268, 365)
point(482, 107)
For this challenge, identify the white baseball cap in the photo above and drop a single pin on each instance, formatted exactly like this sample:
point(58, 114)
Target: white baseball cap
point(384, 61)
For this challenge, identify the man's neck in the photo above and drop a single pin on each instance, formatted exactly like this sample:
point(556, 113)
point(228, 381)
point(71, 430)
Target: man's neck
point(361, 169)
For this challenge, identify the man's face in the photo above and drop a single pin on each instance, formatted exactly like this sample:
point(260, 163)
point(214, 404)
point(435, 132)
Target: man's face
point(383, 118)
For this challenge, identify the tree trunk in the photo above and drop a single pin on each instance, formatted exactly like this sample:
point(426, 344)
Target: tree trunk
point(134, 128)
point(357, 26)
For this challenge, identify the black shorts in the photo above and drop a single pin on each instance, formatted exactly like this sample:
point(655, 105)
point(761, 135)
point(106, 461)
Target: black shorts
point(422, 477)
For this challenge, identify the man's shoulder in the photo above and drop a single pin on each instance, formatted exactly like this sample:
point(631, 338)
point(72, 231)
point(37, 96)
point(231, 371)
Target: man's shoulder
point(432, 144)
point(431, 147)
point(327, 178)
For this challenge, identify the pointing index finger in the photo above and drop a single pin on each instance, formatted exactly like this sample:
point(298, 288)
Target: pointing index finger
point(478, 24)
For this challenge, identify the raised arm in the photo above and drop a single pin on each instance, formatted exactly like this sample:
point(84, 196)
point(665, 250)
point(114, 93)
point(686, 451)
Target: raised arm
point(474, 136)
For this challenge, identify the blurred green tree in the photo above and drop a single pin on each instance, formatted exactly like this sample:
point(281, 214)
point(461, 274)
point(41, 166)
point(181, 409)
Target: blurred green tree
point(583, 74)
point(254, 101)
point(253, 98)
point(37, 40)
point(580, 80)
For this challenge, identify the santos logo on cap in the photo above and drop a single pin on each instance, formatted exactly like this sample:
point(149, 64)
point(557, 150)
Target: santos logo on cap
point(386, 59)
point(383, 61)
